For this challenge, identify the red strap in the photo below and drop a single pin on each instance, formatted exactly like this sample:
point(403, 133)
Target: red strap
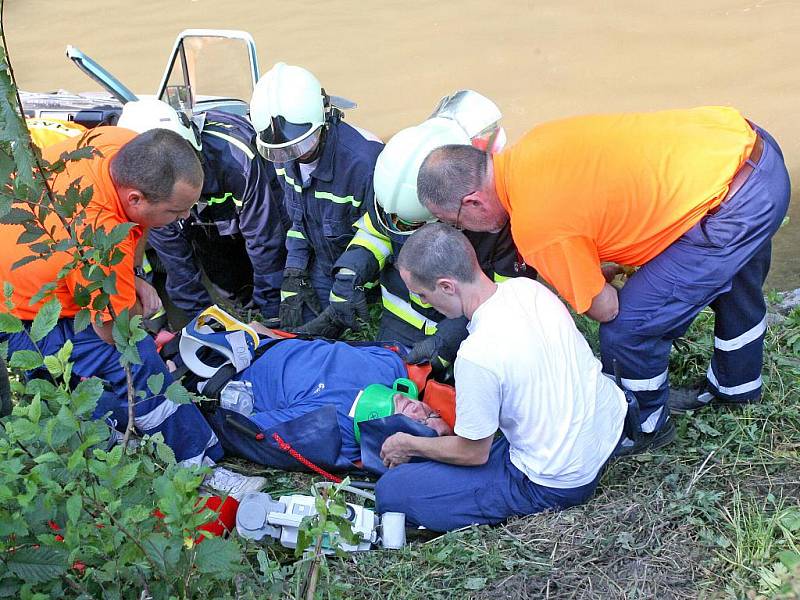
point(286, 447)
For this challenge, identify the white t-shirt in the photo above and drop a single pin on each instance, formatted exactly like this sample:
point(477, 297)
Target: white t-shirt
point(526, 369)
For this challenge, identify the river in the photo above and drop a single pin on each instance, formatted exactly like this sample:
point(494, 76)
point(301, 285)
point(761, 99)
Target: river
point(537, 60)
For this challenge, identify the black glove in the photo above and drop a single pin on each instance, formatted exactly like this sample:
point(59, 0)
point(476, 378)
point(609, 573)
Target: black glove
point(296, 292)
point(348, 300)
point(426, 350)
point(325, 325)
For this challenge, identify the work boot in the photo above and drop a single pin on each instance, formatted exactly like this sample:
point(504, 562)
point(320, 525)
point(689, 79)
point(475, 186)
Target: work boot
point(685, 399)
point(233, 484)
point(647, 441)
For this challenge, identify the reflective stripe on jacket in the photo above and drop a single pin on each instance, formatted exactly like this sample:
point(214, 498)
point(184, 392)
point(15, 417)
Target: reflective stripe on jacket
point(322, 211)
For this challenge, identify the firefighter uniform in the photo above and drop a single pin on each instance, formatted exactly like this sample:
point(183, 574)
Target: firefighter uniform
point(323, 208)
point(236, 232)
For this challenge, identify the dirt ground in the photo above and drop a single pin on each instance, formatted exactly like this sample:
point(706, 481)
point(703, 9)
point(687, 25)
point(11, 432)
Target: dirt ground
point(537, 60)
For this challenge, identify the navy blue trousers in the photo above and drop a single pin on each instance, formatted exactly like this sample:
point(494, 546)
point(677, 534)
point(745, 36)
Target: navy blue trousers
point(443, 497)
point(721, 262)
point(184, 428)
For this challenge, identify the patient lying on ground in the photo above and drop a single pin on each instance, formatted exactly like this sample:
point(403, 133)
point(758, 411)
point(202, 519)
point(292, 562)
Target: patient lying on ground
point(293, 378)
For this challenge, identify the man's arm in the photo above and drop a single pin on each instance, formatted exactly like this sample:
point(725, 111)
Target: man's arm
point(452, 449)
point(138, 257)
point(605, 305)
point(104, 331)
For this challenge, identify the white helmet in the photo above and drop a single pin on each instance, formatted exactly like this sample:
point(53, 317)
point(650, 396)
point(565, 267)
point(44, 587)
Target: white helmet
point(288, 110)
point(478, 116)
point(395, 178)
point(149, 113)
point(214, 331)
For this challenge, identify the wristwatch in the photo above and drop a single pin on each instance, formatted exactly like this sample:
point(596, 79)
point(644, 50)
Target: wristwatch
point(139, 272)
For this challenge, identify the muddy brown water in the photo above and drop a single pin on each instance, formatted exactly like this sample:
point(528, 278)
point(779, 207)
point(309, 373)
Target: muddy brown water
point(538, 60)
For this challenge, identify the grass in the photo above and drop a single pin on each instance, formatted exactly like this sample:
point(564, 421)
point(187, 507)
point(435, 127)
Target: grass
point(716, 514)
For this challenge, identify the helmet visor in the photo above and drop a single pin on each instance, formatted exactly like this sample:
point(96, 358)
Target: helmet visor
point(492, 139)
point(288, 151)
point(395, 224)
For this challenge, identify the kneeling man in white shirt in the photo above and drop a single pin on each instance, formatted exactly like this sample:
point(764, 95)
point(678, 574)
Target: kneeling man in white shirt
point(524, 370)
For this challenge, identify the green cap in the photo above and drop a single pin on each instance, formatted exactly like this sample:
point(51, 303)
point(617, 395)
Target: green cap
point(376, 401)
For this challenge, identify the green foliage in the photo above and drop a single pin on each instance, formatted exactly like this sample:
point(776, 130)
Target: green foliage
point(59, 477)
point(329, 527)
point(80, 516)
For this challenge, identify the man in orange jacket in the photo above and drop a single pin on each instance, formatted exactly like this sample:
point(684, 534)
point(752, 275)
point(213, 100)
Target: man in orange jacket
point(692, 196)
point(150, 180)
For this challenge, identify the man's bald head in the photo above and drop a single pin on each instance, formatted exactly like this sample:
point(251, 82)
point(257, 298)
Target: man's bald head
point(449, 174)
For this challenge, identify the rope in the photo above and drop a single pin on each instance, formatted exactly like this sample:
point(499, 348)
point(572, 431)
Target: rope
point(287, 447)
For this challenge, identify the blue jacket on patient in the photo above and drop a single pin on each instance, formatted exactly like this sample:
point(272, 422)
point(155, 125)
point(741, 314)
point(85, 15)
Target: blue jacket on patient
point(296, 377)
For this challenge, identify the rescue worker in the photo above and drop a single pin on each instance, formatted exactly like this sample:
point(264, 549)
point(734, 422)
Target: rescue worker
point(692, 196)
point(395, 213)
point(235, 233)
point(325, 167)
point(525, 370)
point(129, 185)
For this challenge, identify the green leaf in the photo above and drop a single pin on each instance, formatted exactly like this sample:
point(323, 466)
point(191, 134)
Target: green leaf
point(75, 459)
point(100, 301)
point(8, 291)
point(10, 324)
point(110, 283)
point(475, 583)
point(706, 428)
point(45, 290)
point(37, 565)
point(17, 216)
point(119, 233)
point(124, 475)
point(155, 383)
point(164, 552)
point(74, 506)
point(82, 296)
point(44, 388)
point(81, 320)
point(65, 351)
point(177, 393)
point(86, 395)
point(53, 366)
point(45, 319)
point(26, 360)
point(165, 453)
point(217, 555)
point(32, 235)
